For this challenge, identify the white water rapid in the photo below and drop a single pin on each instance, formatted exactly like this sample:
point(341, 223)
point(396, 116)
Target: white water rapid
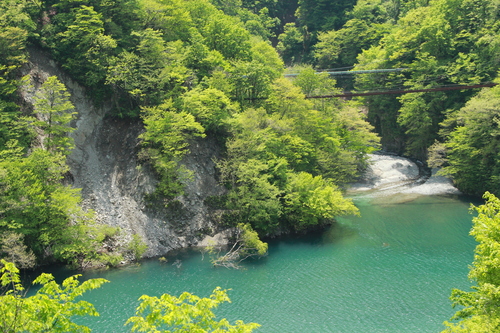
point(399, 178)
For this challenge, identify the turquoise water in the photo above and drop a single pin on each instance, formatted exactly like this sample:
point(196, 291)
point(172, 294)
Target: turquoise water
point(390, 270)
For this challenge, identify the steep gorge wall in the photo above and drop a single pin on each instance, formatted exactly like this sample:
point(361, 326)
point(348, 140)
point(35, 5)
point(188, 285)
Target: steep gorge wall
point(104, 165)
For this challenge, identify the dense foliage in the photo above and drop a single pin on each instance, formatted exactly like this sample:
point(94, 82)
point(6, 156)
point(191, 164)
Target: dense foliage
point(194, 68)
point(471, 147)
point(187, 69)
point(439, 43)
point(284, 159)
point(481, 307)
point(439, 46)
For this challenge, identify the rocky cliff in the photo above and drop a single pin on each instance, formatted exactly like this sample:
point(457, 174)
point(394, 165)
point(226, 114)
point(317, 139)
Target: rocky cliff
point(114, 183)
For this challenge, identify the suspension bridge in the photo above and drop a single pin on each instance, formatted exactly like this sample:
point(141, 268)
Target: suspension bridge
point(405, 91)
point(387, 91)
point(364, 71)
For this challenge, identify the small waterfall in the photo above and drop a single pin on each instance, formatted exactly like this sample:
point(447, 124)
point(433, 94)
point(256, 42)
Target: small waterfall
point(399, 177)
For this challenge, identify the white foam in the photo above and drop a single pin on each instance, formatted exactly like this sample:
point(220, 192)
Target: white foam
point(389, 175)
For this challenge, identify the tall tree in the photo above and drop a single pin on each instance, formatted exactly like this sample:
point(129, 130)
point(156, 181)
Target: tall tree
point(53, 114)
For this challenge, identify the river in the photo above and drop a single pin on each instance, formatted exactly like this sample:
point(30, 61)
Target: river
point(390, 270)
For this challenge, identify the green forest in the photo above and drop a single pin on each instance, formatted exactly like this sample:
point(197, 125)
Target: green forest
point(191, 69)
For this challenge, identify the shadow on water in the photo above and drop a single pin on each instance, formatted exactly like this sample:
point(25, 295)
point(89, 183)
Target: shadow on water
point(328, 235)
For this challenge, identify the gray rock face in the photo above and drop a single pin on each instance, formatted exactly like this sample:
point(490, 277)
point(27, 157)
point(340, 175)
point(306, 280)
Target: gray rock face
point(104, 165)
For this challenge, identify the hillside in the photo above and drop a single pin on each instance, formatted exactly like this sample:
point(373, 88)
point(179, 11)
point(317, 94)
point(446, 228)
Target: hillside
point(164, 121)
